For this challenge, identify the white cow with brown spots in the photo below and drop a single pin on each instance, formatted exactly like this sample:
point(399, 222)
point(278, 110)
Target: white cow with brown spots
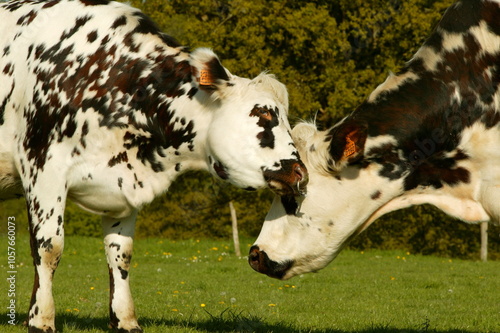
point(97, 105)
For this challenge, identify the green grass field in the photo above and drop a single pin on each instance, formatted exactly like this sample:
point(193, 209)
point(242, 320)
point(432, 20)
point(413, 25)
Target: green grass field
point(200, 286)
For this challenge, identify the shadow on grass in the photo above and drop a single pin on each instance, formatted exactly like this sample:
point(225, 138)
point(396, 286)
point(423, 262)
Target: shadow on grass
point(227, 321)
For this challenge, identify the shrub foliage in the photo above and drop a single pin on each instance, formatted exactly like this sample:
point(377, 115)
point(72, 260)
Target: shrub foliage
point(331, 55)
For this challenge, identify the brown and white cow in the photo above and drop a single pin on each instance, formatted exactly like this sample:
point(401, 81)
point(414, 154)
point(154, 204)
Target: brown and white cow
point(430, 134)
point(97, 105)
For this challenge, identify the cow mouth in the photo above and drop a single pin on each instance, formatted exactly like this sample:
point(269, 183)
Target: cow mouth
point(285, 189)
point(260, 262)
point(291, 179)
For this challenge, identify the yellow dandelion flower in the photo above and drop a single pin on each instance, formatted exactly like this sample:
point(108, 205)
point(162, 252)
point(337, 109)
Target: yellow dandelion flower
point(175, 310)
point(272, 305)
point(203, 305)
point(92, 288)
point(393, 278)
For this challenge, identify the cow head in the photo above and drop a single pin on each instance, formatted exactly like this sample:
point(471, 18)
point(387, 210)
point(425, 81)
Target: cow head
point(353, 180)
point(248, 137)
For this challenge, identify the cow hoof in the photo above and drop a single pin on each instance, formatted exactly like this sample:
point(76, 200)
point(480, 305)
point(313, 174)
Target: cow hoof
point(122, 330)
point(134, 330)
point(32, 329)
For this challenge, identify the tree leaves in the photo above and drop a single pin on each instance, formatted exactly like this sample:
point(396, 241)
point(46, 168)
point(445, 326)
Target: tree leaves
point(331, 55)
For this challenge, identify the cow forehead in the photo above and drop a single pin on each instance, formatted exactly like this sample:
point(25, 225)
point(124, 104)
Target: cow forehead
point(265, 89)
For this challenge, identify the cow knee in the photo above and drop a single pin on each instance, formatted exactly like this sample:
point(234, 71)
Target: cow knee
point(123, 263)
point(48, 252)
point(119, 256)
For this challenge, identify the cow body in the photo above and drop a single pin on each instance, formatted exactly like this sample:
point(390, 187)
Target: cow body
point(97, 105)
point(430, 134)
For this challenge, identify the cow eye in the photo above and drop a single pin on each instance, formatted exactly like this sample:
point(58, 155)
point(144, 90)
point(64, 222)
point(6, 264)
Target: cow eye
point(262, 112)
point(265, 113)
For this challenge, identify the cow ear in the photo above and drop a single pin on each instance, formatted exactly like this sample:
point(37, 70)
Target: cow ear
point(347, 143)
point(208, 71)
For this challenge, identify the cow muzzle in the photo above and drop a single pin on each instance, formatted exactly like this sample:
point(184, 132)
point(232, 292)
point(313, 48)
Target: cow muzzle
point(291, 179)
point(261, 263)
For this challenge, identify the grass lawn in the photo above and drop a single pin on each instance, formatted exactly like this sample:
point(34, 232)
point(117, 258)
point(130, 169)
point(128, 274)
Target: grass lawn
point(200, 286)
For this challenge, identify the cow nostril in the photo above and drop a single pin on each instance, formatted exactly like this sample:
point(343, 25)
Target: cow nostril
point(254, 253)
point(254, 257)
point(300, 172)
point(261, 263)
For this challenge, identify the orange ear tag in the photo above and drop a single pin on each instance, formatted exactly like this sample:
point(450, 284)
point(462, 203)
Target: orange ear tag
point(205, 78)
point(350, 147)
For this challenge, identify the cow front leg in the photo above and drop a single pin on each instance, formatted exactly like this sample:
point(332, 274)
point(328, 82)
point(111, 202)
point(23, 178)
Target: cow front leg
point(118, 244)
point(47, 243)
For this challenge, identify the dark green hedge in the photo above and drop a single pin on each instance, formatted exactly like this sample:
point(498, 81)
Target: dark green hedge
point(330, 54)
